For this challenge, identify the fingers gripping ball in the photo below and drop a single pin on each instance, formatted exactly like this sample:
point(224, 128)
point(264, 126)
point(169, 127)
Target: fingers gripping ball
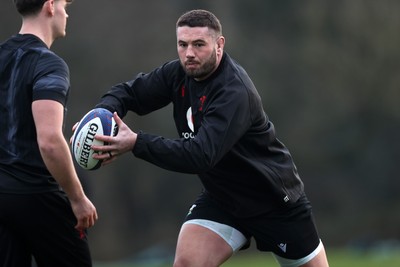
point(97, 121)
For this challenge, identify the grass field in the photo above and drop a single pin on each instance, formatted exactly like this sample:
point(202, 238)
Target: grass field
point(337, 258)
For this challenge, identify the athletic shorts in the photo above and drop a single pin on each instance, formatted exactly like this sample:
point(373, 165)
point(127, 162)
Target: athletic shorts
point(40, 226)
point(289, 233)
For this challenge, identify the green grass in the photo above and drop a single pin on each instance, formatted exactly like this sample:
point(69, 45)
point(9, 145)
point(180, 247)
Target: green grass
point(337, 258)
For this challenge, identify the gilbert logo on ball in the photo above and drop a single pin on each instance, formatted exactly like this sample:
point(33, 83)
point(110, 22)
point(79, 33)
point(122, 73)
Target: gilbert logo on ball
point(97, 121)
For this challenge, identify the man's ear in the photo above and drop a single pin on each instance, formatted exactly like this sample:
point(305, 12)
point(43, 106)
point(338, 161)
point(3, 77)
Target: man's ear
point(220, 44)
point(49, 8)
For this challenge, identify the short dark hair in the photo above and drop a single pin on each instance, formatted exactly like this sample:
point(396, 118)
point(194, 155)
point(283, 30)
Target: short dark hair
point(200, 18)
point(30, 7)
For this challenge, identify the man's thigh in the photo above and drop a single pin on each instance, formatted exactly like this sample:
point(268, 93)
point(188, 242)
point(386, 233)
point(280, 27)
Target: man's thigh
point(200, 246)
point(13, 252)
point(289, 233)
point(45, 224)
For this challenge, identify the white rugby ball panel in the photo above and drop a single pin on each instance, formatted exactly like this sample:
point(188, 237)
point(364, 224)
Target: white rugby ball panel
point(97, 121)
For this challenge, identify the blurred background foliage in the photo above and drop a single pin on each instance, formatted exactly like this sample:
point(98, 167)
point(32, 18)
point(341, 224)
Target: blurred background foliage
point(327, 73)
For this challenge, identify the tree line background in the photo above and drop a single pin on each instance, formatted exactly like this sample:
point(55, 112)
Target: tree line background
point(328, 75)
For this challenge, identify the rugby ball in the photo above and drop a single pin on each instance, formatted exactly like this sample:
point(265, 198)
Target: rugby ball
point(97, 121)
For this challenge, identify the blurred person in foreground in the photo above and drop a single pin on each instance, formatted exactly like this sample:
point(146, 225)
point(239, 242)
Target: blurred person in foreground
point(44, 212)
point(251, 185)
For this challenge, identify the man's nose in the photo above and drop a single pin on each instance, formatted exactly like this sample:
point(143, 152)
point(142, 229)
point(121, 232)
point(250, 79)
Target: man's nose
point(190, 51)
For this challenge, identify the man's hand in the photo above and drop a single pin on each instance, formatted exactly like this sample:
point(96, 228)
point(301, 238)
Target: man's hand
point(85, 213)
point(73, 131)
point(117, 145)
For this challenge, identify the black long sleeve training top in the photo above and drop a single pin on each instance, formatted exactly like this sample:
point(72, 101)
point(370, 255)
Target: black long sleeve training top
point(225, 136)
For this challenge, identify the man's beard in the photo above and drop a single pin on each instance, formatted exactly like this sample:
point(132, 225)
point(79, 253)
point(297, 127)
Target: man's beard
point(204, 70)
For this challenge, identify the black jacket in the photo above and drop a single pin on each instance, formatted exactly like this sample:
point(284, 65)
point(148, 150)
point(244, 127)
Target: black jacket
point(225, 136)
